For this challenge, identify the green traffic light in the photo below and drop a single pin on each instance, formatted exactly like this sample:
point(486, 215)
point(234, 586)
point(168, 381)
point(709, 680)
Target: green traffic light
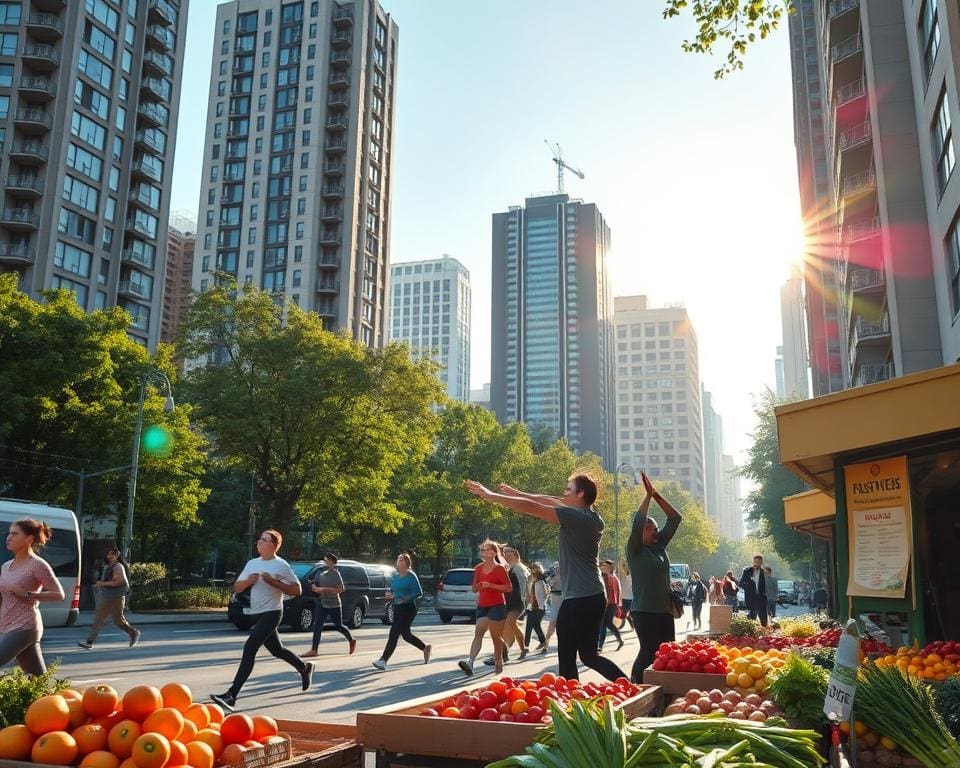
point(157, 441)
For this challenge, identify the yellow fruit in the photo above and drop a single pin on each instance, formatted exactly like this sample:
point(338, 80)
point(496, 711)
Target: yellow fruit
point(756, 671)
point(744, 680)
point(887, 743)
point(860, 729)
point(871, 739)
point(732, 678)
point(844, 727)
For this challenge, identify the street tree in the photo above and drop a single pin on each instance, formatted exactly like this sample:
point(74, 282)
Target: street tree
point(697, 538)
point(322, 421)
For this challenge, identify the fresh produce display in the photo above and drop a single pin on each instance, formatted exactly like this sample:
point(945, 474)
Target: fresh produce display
point(947, 697)
point(689, 657)
point(827, 638)
point(145, 728)
point(17, 691)
point(799, 626)
point(748, 669)
point(730, 704)
point(527, 701)
point(927, 663)
point(822, 657)
point(799, 687)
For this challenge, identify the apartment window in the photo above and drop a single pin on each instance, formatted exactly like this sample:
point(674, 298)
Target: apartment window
point(85, 162)
point(223, 67)
point(10, 14)
point(87, 96)
point(79, 290)
point(942, 138)
point(99, 40)
point(226, 26)
point(102, 13)
point(80, 194)
point(73, 259)
point(88, 130)
point(928, 30)
point(77, 226)
point(93, 68)
point(952, 250)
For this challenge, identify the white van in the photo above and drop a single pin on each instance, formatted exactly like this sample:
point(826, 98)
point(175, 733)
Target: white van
point(62, 552)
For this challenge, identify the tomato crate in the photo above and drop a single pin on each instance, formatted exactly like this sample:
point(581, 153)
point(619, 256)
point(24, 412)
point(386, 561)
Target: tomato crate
point(399, 729)
point(320, 745)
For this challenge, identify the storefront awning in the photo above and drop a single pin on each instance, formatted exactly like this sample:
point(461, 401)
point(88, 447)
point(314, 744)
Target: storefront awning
point(811, 512)
point(812, 433)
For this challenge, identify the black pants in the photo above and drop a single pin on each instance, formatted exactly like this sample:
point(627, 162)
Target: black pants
point(264, 634)
point(697, 607)
point(534, 616)
point(652, 629)
point(608, 616)
point(403, 616)
point(335, 615)
point(578, 627)
point(758, 608)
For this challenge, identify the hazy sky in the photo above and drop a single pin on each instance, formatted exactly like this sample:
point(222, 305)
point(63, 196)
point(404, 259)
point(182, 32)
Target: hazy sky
point(696, 178)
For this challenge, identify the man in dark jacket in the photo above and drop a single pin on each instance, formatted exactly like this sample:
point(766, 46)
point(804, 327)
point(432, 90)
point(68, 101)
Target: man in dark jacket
point(755, 590)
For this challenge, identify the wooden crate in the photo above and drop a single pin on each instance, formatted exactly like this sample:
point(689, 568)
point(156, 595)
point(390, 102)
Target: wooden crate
point(321, 745)
point(674, 683)
point(399, 729)
point(720, 617)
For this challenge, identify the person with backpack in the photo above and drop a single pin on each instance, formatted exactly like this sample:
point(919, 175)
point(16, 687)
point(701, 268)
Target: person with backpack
point(729, 590)
point(112, 590)
point(697, 593)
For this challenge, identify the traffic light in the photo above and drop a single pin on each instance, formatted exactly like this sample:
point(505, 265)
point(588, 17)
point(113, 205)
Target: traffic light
point(157, 441)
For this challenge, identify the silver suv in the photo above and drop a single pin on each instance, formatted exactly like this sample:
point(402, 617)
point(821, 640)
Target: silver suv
point(455, 595)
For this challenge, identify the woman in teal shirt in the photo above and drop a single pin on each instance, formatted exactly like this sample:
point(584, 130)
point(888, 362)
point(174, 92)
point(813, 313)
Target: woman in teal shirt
point(404, 590)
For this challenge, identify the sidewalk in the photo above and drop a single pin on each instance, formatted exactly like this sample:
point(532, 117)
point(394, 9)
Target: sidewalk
point(162, 617)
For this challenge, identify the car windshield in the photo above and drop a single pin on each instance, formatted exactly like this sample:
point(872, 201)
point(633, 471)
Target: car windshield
point(459, 578)
point(300, 569)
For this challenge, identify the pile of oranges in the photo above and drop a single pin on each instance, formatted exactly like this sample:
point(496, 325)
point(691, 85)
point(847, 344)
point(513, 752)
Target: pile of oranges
point(931, 666)
point(146, 728)
point(748, 668)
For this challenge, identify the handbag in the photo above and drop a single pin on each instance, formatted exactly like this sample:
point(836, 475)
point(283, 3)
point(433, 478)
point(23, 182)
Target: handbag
point(676, 605)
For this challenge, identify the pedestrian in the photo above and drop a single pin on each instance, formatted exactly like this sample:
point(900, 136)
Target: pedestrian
point(269, 578)
point(754, 586)
point(491, 582)
point(328, 583)
point(729, 589)
point(819, 599)
point(405, 590)
point(519, 574)
point(553, 608)
point(698, 595)
point(538, 597)
point(112, 590)
point(25, 581)
point(584, 596)
point(773, 591)
point(650, 565)
point(626, 590)
point(612, 585)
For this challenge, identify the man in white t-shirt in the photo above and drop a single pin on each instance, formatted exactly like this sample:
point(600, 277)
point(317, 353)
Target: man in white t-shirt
point(269, 578)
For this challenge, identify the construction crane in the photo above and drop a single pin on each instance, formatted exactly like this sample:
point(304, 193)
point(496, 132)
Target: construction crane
point(561, 165)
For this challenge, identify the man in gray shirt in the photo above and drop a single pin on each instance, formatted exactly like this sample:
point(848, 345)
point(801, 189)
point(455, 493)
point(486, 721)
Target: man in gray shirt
point(328, 584)
point(584, 596)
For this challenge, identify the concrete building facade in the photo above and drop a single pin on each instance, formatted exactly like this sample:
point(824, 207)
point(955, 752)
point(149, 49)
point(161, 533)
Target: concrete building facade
point(659, 412)
point(177, 280)
point(552, 322)
point(712, 457)
point(794, 336)
point(780, 378)
point(298, 156)
point(430, 311)
point(731, 516)
point(88, 123)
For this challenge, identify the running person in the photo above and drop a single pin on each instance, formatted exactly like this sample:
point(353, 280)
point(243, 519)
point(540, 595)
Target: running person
point(111, 595)
point(584, 596)
point(516, 603)
point(405, 589)
point(269, 578)
point(25, 581)
point(329, 585)
point(491, 582)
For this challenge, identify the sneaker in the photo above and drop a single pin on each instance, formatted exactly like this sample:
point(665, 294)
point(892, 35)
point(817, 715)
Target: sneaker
point(86, 644)
point(136, 638)
point(380, 664)
point(466, 666)
point(427, 650)
point(307, 675)
point(543, 649)
point(489, 661)
point(353, 646)
point(225, 700)
point(523, 654)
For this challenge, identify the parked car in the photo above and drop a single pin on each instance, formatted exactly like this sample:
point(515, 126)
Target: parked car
point(380, 576)
point(455, 595)
point(788, 597)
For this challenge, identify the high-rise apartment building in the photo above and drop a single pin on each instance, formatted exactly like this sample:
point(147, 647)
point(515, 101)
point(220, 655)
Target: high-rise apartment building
point(177, 281)
point(794, 336)
point(88, 122)
point(659, 416)
point(712, 456)
point(430, 311)
point(296, 186)
point(781, 382)
point(888, 79)
point(552, 322)
point(731, 516)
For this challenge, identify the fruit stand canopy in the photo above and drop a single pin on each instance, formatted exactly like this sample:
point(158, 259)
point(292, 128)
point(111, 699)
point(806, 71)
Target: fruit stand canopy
point(811, 512)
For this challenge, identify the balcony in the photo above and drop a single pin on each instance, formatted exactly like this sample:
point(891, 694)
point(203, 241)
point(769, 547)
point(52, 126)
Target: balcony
point(41, 57)
point(32, 121)
point(842, 19)
point(53, 6)
point(850, 92)
point(19, 219)
point(331, 213)
point(29, 153)
point(326, 309)
point(330, 237)
point(153, 114)
point(325, 285)
point(149, 142)
point(334, 169)
point(337, 122)
point(158, 90)
point(855, 136)
point(130, 256)
point(339, 78)
point(332, 192)
point(159, 38)
point(37, 89)
point(132, 290)
point(25, 185)
point(865, 279)
point(861, 230)
point(338, 100)
point(871, 374)
point(849, 47)
point(866, 331)
point(341, 40)
point(16, 254)
point(335, 146)
point(143, 195)
point(145, 169)
point(340, 57)
point(839, 7)
point(46, 27)
point(157, 64)
point(343, 18)
point(161, 12)
point(859, 183)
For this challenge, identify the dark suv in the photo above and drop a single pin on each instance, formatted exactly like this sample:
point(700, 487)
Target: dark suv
point(380, 577)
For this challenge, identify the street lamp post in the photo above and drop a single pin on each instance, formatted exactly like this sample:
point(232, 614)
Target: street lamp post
point(616, 501)
point(155, 375)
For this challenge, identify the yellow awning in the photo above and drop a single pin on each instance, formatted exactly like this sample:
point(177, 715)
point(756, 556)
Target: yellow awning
point(811, 512)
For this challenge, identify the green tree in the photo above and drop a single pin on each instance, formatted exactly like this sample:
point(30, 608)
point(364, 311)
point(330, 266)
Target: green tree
point(737, 22)
point(697, 538)
point(322, 421)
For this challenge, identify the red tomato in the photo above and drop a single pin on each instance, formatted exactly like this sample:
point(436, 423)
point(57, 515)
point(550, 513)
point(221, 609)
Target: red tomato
point(534, 714)
point(469, 712)
point(532, 697)
point(450, 712)
point(487, 699)
point(498, 688)
point(504, 708)
point(489, 714)
point(521, 718)
point(547, 678)
point(515, 694)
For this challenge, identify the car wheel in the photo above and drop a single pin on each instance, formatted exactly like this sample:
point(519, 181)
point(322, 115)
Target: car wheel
point(304, 616)
point(446, 618)
point(356, 618)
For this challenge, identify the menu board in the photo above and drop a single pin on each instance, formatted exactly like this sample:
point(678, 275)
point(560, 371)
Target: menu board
point(880, 527)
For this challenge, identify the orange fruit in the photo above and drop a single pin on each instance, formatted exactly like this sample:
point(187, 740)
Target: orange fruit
point(189, 732)
point(216, 714)
point(128, 763)
point(176, 695)
point(100, 700)
point(236, 728)
point(78, 715)
point(141, 701)
point(123, 736)
point(178, 753)
point(165, 720)
point(200, 755)
point(198, 715)
point(90, 738)
point(100, 759)
point(151, 750)
point(46, 714)
point(264, 727)
point(212, 739)
point(71, 693)
point(16, 742)
point(108, 721)
point(54, 748)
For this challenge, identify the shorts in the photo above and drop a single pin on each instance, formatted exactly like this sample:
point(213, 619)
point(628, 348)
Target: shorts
point(492, 612)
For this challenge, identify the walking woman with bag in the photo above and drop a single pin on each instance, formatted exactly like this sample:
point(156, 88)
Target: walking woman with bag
point(653, 606)
point(538, 595)
point(112, 590)
point(405, 590)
